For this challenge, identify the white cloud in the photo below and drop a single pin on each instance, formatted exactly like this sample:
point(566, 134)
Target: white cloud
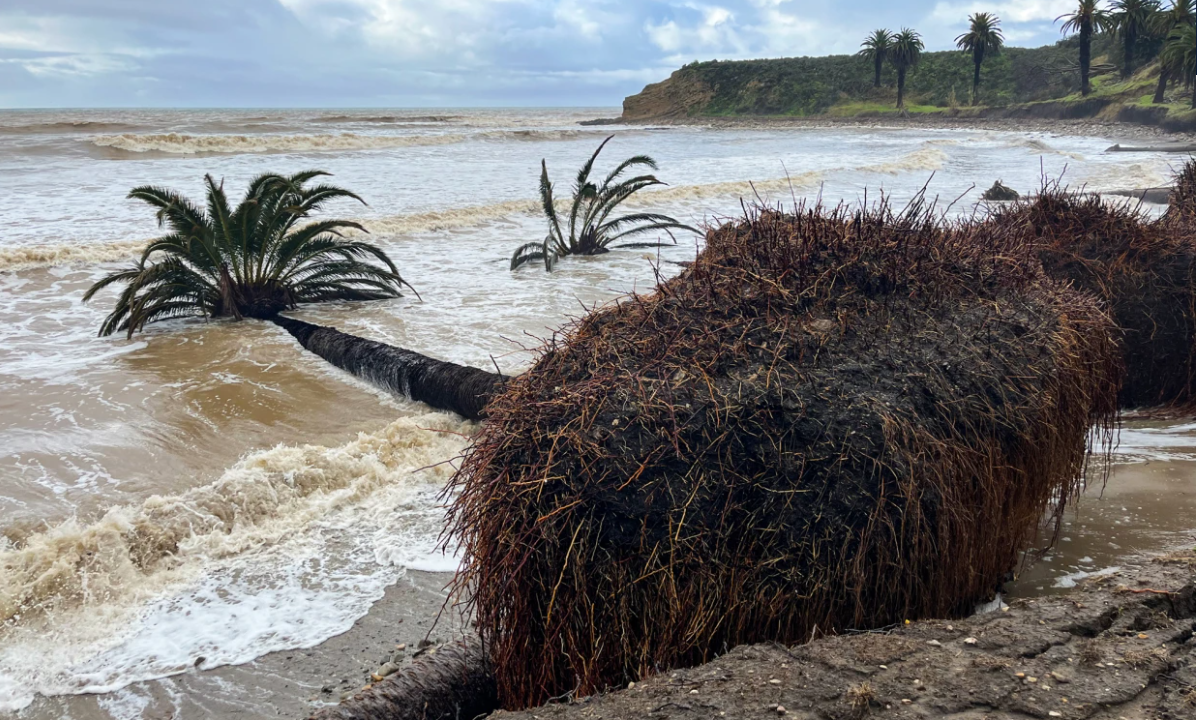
point(1013, 11)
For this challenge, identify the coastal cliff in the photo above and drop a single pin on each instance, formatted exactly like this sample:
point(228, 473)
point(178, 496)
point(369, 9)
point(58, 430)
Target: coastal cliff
point(1019, 82)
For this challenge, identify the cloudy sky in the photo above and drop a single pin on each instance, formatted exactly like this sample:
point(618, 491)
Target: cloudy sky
point(430, 53)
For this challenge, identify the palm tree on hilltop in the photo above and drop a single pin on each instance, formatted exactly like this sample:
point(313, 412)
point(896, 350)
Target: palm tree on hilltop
point(984, 36)
point(875, 47)
point(1132, 18)
point(1087, 19)
point(1165, 24)
point(905, 53)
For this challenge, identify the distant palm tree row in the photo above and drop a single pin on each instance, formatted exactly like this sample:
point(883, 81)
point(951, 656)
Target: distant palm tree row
point(1129, 20)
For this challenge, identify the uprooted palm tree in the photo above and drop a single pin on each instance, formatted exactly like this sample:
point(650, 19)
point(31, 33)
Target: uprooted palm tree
point(874, 48)
point(1086, 20)
point(905, 52)
point(984, 37)
point(1170, 24)
point(265, 256)
point(589, 228)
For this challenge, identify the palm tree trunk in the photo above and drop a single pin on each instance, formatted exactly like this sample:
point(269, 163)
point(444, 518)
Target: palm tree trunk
point(901, 88)
point(1086, 37)
point(976, 78)
point(877, 70)
point(444, 385)
point(454, 683)
point(1128, 53)
point(1160, 87)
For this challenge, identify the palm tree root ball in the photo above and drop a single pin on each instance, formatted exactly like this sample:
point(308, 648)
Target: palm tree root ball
point(1143, 270)
point(833, 419)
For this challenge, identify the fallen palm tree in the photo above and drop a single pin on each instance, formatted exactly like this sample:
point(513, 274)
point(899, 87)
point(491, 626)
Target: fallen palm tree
point(834, 419)
point(444, 385)
point(1142, 270)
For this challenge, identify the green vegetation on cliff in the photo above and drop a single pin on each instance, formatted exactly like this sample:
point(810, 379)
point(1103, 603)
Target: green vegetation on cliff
point(842, 85)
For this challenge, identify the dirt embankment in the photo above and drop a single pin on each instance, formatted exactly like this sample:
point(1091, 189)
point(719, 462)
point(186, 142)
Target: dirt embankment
point(1121, 645)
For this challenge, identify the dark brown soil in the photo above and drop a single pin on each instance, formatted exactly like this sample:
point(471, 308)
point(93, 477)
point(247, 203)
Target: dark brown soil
point(1119, 646)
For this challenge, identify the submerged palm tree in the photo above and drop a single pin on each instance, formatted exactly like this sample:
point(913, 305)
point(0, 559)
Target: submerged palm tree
point(250, 261)
point(1086, 20)
point(905, 53)
point(589, 228)
point(1166, 24)
point(262, 257)
point(1132, 18)
point(1179, 56)
point(984, 37)
point(875, 47)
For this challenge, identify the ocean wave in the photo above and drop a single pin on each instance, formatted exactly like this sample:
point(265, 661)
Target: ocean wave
point(64, 127)
point(184, 144)
point(180, 144)
point(264, 496)
point(924, 159)
point(387, 119)
point(78, 582)
point(1038, 147)
point(927, 158)
point(34, 256)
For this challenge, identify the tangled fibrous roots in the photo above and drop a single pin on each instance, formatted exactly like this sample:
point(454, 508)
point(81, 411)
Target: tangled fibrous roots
point(833, 419)
point(1182, 212)
point(1142, 270)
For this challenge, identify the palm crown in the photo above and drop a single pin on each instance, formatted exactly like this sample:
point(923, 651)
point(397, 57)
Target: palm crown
point(589, 228)
point(1181, 13)
point(1179, 55)
point(1087, 17)
point(876, 44)
point(874, 48)
point(906, 49)
point(1132, 18)
point(984, 35)
point(250, 261)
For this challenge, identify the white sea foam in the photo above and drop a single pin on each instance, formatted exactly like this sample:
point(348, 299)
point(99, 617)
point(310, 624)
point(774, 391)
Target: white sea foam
point(186, 144)
point(180, 144)
point(270, 556)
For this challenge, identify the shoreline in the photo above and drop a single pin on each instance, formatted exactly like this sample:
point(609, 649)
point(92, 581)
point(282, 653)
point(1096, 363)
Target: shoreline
point(1087, 127)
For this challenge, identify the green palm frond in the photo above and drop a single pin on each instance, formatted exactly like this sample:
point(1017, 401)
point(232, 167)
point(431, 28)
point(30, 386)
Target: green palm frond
point(876, 44)
point(589, 230)
point(249, 261)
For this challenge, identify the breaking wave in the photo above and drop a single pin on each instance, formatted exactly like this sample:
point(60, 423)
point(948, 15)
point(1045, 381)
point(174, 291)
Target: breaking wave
point(32, 256)
point(1038, 147)
point(79, 126)
point(184, 144)
point(387, 119)
point(179, 144)
point(258, 500)
point(287, 548)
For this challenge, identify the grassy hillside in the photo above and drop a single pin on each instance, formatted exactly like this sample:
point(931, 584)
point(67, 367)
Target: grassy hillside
point(842, 85)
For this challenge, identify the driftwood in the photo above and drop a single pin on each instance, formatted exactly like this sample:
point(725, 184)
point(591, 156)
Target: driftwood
point(454, 682)
point(444, 385)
